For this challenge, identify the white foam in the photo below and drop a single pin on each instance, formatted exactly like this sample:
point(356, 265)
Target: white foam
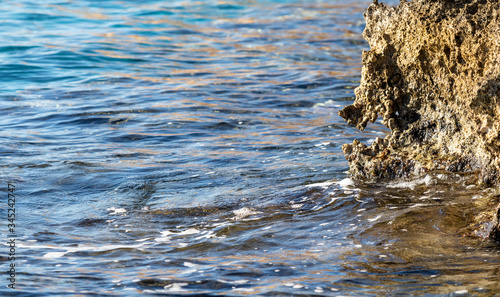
point(189, 231)
point(346, 182)
point(176, 287)
point(322, 144)
point(53, 255)
point(427, 180)
point(166, 236)
point(243, 213)
point(115, 211)
point(162, 239)
point(207, 235)
point(189, 264)
point(328, 103)
point(321, 185)
point(244, 290)
point(241, 281)
point(441, 176)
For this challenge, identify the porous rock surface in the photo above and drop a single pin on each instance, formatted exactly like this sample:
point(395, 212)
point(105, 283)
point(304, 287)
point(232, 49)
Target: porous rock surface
point(433, 76)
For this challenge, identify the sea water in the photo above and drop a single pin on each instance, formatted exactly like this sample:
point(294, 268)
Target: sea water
point(193, 148)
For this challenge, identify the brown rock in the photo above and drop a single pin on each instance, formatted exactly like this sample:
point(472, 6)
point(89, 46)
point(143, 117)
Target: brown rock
point(433, 76)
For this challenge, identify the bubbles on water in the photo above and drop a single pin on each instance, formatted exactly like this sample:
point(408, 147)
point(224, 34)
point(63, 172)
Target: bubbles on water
point(168, 235)
point(412, 184)
point(116, 211)
point(346, 183)
point(296, 206)
point(243, 213)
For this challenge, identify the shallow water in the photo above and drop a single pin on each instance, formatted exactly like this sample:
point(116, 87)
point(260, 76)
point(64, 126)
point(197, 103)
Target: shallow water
point(194, 148)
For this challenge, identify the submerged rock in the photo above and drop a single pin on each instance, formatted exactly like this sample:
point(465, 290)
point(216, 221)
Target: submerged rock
point(433, 76)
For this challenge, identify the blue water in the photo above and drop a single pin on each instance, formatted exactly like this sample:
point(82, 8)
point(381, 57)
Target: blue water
point(194, 148)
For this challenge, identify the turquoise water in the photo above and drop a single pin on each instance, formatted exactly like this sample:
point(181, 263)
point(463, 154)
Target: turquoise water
point(194, 148)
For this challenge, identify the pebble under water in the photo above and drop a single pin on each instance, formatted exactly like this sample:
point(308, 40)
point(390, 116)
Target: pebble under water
point(193, 148)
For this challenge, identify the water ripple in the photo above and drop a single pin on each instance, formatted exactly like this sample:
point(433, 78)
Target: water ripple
point(194, 147)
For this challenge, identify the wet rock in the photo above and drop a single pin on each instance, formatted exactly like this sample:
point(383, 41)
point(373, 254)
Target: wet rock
point(495, 230)
point(432, 75)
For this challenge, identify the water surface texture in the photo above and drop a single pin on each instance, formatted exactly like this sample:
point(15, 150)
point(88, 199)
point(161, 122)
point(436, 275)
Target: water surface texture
point(193, 148)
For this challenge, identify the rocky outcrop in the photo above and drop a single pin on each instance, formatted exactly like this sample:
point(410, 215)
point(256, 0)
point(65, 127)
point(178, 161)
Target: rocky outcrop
point(432, 75)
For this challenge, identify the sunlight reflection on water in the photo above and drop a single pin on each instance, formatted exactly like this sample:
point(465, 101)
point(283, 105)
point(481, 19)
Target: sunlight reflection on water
point(194, 147)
